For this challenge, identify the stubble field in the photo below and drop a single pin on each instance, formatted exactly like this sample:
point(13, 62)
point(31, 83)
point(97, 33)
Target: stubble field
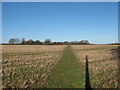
point(31, 66)
point(103, 64)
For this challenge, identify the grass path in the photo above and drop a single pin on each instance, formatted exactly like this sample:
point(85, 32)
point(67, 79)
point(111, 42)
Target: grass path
point(68, 73)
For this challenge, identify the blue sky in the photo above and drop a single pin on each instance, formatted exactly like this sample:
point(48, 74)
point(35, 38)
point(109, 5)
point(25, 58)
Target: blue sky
point(96, 22)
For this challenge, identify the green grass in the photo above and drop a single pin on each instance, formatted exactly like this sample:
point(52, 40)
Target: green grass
point(68, 73)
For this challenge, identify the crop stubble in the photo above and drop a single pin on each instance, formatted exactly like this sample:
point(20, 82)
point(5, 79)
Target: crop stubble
point(103, 64)
point(29, 66)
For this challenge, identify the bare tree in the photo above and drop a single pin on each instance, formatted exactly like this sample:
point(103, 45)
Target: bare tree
point(30, 42)
point(23, 41)
point(86, 42)
point(17, 40)
point(47, 42)
point(12, 41)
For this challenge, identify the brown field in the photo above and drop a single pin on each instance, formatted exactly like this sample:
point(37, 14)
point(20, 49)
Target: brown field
point(103, 64)
point(0, 67)
point(31, 65)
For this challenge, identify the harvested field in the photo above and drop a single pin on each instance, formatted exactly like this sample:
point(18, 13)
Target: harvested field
point(36, 66)
point(29, 65)
point(30, 48)
point(103, 64)
point(0, 67)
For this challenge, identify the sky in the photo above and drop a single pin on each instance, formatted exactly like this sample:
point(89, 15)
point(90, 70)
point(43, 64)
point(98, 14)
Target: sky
point(60, 0)
point(0, 22)
point(96, 22)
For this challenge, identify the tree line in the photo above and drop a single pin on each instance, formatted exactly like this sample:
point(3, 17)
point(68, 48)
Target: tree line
point(23, 41)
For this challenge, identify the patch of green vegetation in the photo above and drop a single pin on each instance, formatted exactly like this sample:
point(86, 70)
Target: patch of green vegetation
point(68, 73)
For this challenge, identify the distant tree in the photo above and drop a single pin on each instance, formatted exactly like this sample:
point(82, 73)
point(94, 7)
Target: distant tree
point(54, 43)
point(23, 41)
point(84, 42)
point(47, 42)
point(17, 40)
point(60, 43)
point(37, 42)
point(74, 43)
point(66, 42)
point(30, 42)
point(40, 43)
point(11, 41)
